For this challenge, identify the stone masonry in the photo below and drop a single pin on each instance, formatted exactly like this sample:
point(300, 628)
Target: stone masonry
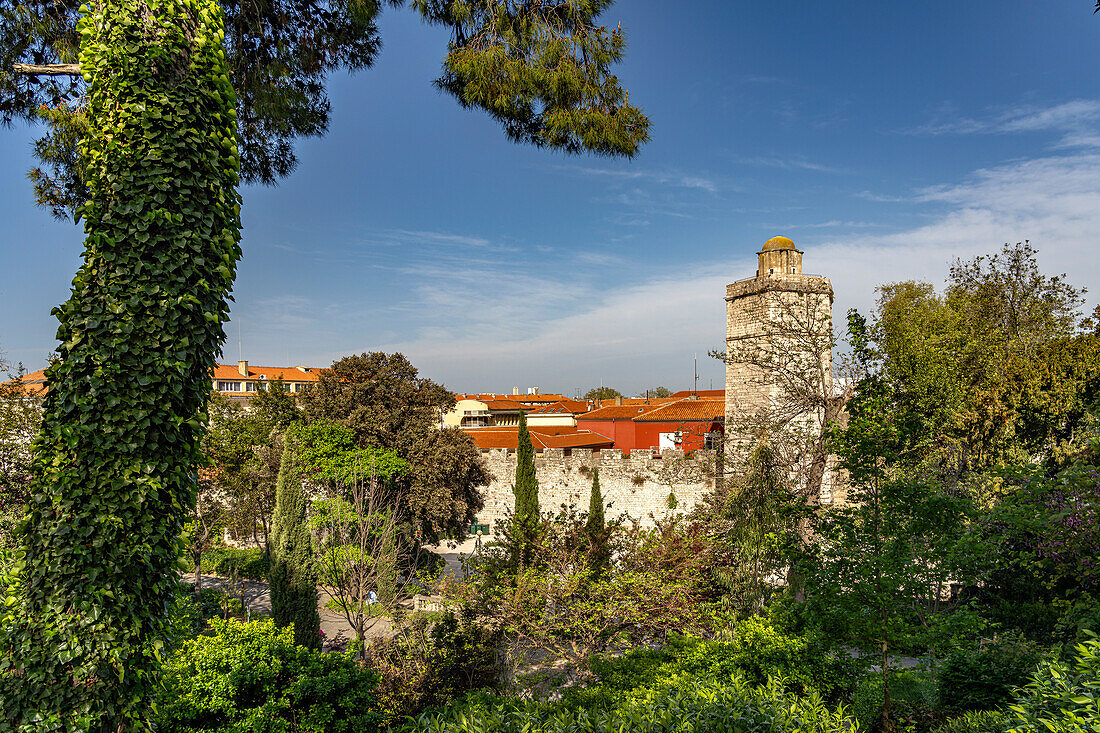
point(781, 313)
point(778, 340)
point(763, 314)
point(637, 485)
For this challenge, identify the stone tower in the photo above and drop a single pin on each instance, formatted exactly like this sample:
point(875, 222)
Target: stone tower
point(778, 345)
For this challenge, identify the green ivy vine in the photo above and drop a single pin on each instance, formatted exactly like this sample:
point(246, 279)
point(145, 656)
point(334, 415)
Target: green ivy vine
point(86, 619)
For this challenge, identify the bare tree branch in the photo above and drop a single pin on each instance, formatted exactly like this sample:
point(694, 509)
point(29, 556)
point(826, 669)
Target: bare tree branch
point(47, 69)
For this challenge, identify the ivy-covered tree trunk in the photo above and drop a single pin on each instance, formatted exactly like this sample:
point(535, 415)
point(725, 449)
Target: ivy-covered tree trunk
point(526, 490)
point(114, 478)
point(293, 568)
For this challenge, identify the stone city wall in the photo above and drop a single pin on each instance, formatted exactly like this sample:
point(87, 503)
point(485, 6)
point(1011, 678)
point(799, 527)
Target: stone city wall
point(637, 485)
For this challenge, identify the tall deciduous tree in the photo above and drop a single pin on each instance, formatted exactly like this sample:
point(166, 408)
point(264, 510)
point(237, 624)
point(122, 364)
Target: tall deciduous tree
point(385, 403)
point(113, 478)
point(526, 491)
point(884, 559)
point(293, 572)
point(990, 371)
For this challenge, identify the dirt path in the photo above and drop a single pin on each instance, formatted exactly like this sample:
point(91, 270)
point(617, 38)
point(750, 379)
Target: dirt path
point(256, 596)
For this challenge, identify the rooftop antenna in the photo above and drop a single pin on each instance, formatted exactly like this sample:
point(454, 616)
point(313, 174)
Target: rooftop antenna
point(240, 349)
point(696, 358)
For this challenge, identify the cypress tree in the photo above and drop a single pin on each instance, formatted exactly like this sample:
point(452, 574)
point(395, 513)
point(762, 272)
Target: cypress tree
point(595, 507)
point(293, 574)
point(596, 530)
point(526, 490)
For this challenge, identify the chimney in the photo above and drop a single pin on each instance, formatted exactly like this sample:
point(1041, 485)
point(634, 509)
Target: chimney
point(515, 390)
point(619, 401)
point(535, 390)
point(242, 367)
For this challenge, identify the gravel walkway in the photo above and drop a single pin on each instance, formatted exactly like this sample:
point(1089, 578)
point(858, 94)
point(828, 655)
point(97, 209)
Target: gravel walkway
point(256, 596)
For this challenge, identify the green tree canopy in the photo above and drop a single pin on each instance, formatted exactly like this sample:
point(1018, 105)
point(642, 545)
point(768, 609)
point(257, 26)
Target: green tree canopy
point(991, 370)
point(327, 451)
point(385, 403)
point(602, 393)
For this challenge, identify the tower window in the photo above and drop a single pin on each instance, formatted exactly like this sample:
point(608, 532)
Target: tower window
point(792, 270)
point(771, 270)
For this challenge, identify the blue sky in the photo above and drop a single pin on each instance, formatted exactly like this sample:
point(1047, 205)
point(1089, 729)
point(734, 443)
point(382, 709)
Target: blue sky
point(885, 138)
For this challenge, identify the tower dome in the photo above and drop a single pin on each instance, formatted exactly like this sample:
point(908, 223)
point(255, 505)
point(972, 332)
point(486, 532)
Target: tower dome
point(779, 257)
point(778, 243)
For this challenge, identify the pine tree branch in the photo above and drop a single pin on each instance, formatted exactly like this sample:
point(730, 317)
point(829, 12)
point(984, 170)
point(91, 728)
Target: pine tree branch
point(47, 69)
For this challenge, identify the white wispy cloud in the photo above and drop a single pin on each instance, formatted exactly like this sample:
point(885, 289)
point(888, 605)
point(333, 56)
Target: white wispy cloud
point(1076, 120)
point(674, 179)
point(568, 332)
point(787, 163)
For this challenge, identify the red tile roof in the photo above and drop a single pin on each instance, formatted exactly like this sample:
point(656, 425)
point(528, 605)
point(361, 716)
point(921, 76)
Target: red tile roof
point(36, 385)
point(230, 372)
point(541, 438)
point(713, 394)
point(617, 412)
point(688, 410)
point(666, 411)
point(33, 383)
point(504, 405)
point(562, 407)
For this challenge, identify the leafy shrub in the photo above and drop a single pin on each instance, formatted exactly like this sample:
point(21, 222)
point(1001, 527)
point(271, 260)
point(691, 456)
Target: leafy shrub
point(912, 699)
point(759, 650)
point(976, 721)
point(984, 678)
point(758, 653)
point(249, 562)
point(1078, 618)
point(251, 677)
point(190, 616)
point(680, 703)
point(427, 667)
point(1062, 697)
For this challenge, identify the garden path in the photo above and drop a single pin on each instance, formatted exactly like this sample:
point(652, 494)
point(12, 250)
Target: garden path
point(256, 596)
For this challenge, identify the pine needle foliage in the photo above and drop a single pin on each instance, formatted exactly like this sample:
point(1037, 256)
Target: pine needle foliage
point(293, 573)
point(541, 69)
point(113, 477)
point(526, 490)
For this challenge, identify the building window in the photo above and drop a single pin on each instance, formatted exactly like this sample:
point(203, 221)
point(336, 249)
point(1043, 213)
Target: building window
point(712, 440)
point(300, 387)
point(792, 270)
point(249, 386)
point(229, 386)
